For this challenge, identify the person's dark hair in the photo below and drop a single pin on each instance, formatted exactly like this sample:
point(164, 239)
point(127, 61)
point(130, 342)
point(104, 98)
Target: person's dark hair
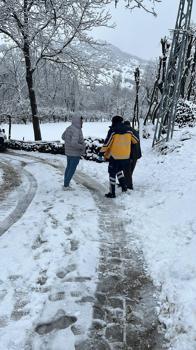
point(127, 122)
point(117, 119)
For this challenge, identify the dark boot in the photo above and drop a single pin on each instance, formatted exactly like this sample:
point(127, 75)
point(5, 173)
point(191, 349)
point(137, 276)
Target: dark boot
point(123, 184)
point(111, 194)
point(129, 183)
point(124, 189)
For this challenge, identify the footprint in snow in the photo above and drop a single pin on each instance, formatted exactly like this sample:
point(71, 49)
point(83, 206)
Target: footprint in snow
point(60, 323)
point(63, 273)
point(74, 244)
point(70, 217)
point(3, 321)
point(47, 209)
point(68, 231)
point(3, 293)
point(57, 296)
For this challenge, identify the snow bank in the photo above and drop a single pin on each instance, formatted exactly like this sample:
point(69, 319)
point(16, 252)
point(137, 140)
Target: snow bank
point(162, 212)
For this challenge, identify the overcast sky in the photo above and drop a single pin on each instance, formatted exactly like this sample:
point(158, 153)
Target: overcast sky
point(139, 33)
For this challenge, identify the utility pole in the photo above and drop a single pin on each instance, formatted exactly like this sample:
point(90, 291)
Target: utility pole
point(171, 90)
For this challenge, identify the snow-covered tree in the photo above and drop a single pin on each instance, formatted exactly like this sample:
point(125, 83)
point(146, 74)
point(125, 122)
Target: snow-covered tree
point(158, 83)
point(147, 84)
point(46, 30)
point(51, 30)
point(13, 91)
point(147, 5)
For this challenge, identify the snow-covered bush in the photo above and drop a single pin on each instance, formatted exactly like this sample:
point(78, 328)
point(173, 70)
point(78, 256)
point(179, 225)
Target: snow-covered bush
point(93, 146)
point(39, 146)
point(185, 115)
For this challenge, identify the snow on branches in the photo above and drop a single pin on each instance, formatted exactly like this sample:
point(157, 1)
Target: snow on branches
point(185, 115)
point(143, 4)
point(46, 30)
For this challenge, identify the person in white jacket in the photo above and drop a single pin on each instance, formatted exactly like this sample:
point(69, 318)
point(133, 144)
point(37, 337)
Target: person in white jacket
point(74, 148)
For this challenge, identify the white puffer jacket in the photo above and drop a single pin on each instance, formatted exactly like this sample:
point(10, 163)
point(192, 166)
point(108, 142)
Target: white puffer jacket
point(73, 138)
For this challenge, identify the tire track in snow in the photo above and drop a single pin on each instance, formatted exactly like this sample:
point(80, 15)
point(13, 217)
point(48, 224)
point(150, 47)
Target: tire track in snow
point(24, 198)
point(11, 179)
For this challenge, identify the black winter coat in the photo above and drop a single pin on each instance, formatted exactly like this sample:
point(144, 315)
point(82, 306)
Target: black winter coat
point(136, 148)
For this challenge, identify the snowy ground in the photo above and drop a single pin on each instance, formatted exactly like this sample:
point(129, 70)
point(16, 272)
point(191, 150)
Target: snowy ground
point(161, 214)
point(40, 255)
point(53, 132)
point(160, 219)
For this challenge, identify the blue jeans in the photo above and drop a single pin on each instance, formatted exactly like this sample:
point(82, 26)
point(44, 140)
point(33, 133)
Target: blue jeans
point(72, 163)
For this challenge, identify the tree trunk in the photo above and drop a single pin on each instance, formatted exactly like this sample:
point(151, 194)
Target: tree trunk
point(29, 78)
point(32, 98)
point(154, 96)
point(159, 83)
point(10, 125)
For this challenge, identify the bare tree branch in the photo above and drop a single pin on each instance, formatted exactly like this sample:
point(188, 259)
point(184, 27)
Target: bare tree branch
point(141, 4)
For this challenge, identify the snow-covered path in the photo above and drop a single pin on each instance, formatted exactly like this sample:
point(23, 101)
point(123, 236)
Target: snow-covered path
point(68, 280)
point(124, 309)
point(48, 264)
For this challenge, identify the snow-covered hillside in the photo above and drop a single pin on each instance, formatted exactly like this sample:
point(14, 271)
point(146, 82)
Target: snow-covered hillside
point(115, 62)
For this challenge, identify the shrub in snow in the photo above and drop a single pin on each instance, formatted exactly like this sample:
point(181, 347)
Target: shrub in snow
point(93, 146)
point(185, 115)
point(169, 148)
point(38, 146)
point(145, 133)
point(147, 130)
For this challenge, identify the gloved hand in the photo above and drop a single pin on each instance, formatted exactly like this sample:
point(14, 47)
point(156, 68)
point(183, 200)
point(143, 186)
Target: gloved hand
point(100, 159)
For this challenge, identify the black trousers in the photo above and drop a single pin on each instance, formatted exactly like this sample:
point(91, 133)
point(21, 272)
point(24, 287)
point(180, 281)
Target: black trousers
point(116, 169)
point(128, 173)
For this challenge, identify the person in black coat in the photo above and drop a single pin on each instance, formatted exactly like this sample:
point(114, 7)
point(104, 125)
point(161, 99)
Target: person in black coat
point(135, 155)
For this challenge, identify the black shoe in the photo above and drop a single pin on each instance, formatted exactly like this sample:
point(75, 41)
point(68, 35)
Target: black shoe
point(124, 189)
point(110, 195)
point(130, 188)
